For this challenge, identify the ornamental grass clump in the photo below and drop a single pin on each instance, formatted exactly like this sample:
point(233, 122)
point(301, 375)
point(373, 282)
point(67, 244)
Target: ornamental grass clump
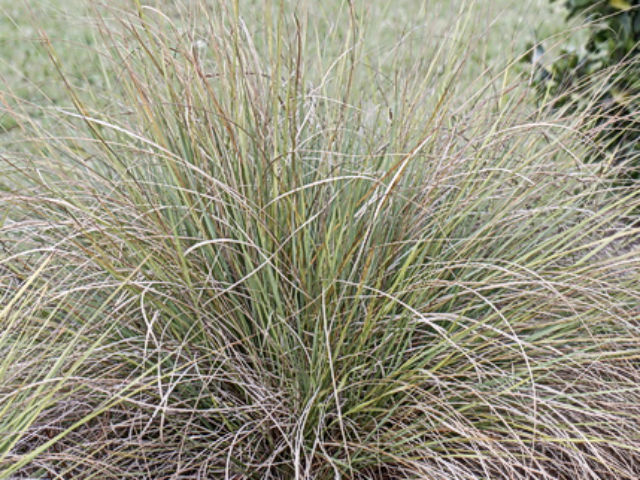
point(274, 248)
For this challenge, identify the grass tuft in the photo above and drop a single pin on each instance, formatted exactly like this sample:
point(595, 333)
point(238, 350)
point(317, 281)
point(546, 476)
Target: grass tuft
point(280, 249)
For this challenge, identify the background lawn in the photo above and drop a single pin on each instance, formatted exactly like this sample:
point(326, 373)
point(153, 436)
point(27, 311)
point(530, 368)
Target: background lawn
point(504, 26)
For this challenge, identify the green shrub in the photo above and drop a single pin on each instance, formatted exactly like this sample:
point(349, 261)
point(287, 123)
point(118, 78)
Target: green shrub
point(603, 75)
point(269, 257)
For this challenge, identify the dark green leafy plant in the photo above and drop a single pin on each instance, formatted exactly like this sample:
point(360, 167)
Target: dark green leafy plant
point(603, 76)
